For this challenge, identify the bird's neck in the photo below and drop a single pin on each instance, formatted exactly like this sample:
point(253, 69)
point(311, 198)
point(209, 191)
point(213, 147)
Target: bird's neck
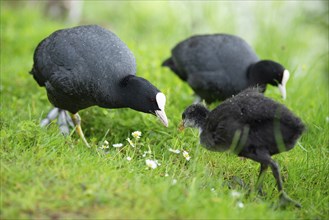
point(253, 75)
point(256, 78)
point(116, 96)
point(200, 122)
point(129, 93)
point(201, 125)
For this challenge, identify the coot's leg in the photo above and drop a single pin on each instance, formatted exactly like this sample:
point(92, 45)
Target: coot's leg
point(77, 121)
point(63, 120)
point(262, 156)
point(284, 198)
point(259, 184)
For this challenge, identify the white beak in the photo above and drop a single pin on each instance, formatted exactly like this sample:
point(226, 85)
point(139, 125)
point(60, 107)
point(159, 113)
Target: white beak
point(282, 85)
point(161, 101)
point(283, 91)
point(162, 116)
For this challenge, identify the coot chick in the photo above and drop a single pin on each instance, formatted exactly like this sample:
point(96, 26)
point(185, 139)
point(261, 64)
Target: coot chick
point(248, 125)
point(218, 66)
point(88, 65)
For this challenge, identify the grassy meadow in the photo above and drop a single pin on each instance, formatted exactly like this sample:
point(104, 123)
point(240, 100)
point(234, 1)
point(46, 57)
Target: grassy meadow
point(45, 175)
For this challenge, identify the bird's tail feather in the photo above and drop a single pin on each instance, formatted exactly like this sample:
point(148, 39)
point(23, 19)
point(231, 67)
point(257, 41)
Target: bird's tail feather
point(35, 75)
point(171, 64)
point(168, 62)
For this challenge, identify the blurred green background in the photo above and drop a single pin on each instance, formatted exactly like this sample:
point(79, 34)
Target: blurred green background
point(46, 175)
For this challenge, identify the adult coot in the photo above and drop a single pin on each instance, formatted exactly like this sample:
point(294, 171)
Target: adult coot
point(220, 65)
point(249, 125)
point(89, 65)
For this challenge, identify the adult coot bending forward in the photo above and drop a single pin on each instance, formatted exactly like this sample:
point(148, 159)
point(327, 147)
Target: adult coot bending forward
point(89, 65)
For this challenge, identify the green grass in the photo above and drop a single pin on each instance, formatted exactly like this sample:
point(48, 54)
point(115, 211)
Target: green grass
point(47, 175)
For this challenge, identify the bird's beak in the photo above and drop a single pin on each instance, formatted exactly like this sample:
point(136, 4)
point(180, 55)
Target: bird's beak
point(162, 116)
point(283, 91)
point(161, 101)
point(181, 126)
point(282, 85)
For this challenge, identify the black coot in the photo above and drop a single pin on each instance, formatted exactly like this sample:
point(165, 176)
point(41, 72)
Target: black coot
point(89, 65)
point(249, 125)
point(220, 65)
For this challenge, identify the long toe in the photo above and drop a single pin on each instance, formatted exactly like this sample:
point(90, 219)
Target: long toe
point(285, 201)
point(261, 192)
point(53, 113)
point(63, 122)
point(69, 119)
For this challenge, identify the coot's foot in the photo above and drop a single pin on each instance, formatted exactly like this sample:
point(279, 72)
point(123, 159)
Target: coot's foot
point(261, 192)
point(64, 120)
point(285, 200)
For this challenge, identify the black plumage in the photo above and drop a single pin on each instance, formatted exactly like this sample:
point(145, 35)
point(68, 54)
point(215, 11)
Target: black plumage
point(218, 66)
point(89, 65)
point(249, 125)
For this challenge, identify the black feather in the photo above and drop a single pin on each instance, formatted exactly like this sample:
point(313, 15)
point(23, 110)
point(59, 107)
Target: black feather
point(89, 65)
point(249, 125)
point(220, 65)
